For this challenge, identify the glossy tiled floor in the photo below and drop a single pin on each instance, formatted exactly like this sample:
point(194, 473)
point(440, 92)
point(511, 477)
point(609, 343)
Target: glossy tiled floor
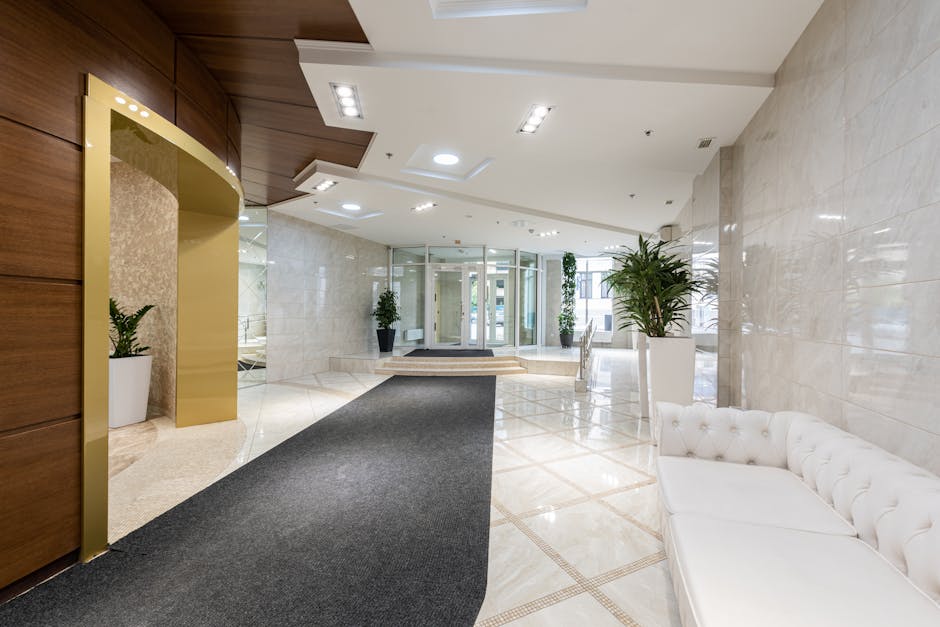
point(574, 535)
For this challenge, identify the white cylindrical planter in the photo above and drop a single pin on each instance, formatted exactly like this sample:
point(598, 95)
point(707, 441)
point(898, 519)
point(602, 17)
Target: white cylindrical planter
point(128, 389)
point(671, 373)
point(639, 344)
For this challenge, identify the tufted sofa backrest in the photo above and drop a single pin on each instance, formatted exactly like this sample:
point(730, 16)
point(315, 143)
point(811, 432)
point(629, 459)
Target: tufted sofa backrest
point(723, 434)
point(893, 505)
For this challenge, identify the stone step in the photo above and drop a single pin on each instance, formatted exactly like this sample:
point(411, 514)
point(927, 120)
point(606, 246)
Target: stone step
point(501, 359)
point(450, 372)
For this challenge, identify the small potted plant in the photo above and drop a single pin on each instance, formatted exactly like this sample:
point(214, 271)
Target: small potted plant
point(128, 368)
point(566, 318)
point(386, 314)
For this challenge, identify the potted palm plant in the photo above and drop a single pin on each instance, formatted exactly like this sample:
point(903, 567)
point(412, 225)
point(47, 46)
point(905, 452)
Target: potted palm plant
point(652, 288)
point(128, 368)
point(566, 318)
point(385, 314)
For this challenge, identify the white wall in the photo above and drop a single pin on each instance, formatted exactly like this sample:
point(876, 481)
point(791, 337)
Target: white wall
point(836, 200)
point(322, 286)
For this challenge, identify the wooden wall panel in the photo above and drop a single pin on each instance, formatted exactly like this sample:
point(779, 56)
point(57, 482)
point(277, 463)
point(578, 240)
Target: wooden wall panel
point(277, 151)
point(194, 121)
point(40, 204)
point(41, 336)
point(295, 119)
point(46, 49)
point(233, 126)
point(137, 27)
point(41, 497)
point(234, 161)
point(194, 80)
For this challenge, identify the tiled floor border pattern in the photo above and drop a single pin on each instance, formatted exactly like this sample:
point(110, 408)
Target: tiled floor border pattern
point(584, 584)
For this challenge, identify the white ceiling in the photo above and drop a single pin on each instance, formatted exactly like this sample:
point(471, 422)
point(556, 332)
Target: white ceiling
point(686, 69)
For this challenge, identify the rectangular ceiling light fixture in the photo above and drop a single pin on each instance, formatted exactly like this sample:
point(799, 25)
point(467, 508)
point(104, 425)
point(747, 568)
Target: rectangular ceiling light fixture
point(548, 234)
point(533, 121)
point(449, 9)
point(347, 100)
point(324, 185)
point(425, 206)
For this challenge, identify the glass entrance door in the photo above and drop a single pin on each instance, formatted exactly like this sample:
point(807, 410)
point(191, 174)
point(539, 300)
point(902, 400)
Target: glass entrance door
point(455, 316)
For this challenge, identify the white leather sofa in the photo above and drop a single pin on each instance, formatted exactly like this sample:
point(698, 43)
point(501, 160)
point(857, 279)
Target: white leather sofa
point(784, 520)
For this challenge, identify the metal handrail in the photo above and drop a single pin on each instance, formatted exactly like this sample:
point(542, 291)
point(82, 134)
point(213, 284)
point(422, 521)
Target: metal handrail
point(587, 339)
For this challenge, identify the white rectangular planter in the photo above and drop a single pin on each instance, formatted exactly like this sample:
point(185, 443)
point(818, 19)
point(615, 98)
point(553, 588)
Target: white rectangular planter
point(671, 372)
point(128, 389)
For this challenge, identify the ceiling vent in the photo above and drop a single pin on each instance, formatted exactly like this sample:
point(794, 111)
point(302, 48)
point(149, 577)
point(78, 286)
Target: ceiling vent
point(705, 142)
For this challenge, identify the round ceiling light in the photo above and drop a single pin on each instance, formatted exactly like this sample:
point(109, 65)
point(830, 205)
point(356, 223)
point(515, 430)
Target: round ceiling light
point(343, 91)
point(540, 111)
point(351, 112)
point(529, 128)
point(347, 102)
point(349, 206)
point(445, 158)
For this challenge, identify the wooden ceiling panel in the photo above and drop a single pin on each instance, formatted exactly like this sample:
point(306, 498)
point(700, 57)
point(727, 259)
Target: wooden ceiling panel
point(271, 19)
point(295, 119)
point(248, 47)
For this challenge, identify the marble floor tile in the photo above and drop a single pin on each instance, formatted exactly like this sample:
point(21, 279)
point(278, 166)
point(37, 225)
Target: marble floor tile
point(518, 572)
point(580, 610)
point(504, 459)
point(640, 503)
point(527, 489)
point(592, 538)
point(598, 438)
point(566, 404)
point(524, 408)
point(556, 421)
point(546, 448)
point(515, 428)
point(647, 596)
point(595, 474)
point(641, 456)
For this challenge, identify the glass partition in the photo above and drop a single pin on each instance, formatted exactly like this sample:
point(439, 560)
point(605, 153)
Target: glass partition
point(408, 285)
point(455, 254)
point(500, 305)
point(528, 306)
point(528, 260)
point(252, 296)
point(408, 255)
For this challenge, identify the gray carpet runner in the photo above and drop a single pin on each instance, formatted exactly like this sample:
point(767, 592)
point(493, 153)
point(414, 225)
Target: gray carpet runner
point(437, 352)
point(376, 515)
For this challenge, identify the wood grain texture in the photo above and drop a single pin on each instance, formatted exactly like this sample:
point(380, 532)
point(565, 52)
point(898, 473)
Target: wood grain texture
point(41, 497)
point(199, 85)
point(46, 48)
point(41, 336)
point(40, 204)
point(295, 119)
point(233, 125)
point(204, 129)
point(271, 19)
point(268, 69)
point(287, 154)
point(234, 161)
point(136, 26)
point(269, 179)
point(258, 194)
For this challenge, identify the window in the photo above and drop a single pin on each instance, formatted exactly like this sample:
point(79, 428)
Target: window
point(593, 296)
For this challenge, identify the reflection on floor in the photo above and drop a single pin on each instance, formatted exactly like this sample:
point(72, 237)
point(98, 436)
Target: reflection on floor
point(574, 532)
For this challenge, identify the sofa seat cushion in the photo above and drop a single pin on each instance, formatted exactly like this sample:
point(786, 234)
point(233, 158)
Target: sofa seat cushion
point(742, 575)
point(752, 494)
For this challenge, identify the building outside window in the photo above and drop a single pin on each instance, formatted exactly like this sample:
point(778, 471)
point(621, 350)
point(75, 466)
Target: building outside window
point(592, 297)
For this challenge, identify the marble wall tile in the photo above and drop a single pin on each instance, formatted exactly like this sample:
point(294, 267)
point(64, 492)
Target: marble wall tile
point(836, 193)
point(322, 288)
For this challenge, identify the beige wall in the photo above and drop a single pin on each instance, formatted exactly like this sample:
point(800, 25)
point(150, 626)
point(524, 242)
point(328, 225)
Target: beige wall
point(144, 225)
point(322, 286)
point(836, 201)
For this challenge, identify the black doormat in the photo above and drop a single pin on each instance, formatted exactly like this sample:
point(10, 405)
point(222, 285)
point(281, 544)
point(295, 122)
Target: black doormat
point(376, 515)
point(430, 352)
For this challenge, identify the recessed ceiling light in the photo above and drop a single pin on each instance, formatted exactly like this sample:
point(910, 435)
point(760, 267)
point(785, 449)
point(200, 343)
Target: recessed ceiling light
point(322, 186)
point(446, 158)
point(243, 218)
point(548, 234)
point(347, 100)
point(425, 206)
point(351, 206)
point(132, 107)
point(145, 114)
point(534, 118)
point(119, 100)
